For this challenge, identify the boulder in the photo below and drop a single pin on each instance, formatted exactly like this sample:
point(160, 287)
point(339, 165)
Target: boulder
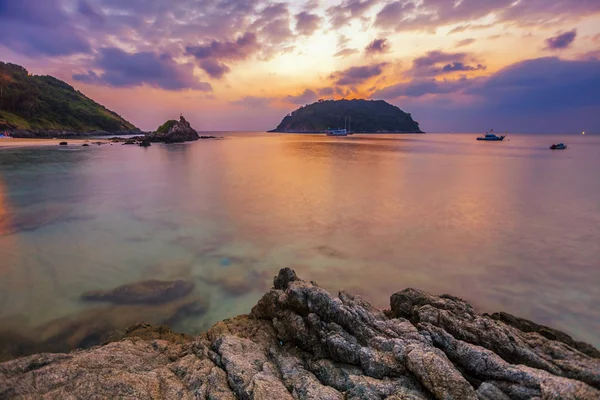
point(63, 144)
point(300, 342)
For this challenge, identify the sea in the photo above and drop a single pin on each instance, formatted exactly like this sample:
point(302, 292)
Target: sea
point(507, 226)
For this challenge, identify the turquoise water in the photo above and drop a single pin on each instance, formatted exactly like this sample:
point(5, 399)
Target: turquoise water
point(508, 226)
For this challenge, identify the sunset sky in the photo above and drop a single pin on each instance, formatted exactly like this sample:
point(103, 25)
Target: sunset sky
point(463, 65)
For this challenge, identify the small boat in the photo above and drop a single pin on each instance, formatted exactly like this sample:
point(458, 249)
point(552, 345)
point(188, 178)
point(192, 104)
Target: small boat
point(337, 132)
point(491, 137)
point(560, 146)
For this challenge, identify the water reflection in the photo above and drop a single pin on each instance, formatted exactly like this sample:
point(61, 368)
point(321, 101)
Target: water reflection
point(506, 227)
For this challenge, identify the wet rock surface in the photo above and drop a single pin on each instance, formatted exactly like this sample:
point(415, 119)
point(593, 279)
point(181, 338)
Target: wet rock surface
point(300, 342)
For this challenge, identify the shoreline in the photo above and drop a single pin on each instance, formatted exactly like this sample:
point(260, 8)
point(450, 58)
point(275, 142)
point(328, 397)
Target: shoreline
point(301, 342)
point(14, 143)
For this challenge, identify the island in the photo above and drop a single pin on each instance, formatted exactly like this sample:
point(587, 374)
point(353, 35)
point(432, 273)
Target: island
point(362, 116)
point(43, 106)
point(300, 342)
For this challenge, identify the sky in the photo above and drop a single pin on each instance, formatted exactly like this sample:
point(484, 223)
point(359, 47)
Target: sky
point(455, 65)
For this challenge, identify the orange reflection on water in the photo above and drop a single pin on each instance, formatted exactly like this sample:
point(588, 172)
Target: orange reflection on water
point(5, 223)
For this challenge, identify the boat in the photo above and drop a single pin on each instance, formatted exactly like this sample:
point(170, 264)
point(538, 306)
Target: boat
point(5, 135)
point(491, 137)
point(560, 146)
point(337, 132)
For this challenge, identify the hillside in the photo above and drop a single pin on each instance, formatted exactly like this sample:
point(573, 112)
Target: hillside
point(43, 103)
point(365, 115)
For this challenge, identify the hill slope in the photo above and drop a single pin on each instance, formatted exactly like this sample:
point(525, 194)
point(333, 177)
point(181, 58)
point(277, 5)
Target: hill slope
point(44, 103)
point(365, 115)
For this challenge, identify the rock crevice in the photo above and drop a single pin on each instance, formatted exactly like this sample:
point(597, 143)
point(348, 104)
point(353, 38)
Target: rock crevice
point(300, 342)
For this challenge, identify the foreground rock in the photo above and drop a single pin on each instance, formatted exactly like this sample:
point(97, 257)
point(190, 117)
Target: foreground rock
point(145, 292)
point(300, 342)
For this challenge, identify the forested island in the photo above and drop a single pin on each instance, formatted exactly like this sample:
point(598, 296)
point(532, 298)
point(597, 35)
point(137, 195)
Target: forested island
point(40, 106)
point(366, 116)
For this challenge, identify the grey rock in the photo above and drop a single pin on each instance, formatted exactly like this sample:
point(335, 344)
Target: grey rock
point(300, 342)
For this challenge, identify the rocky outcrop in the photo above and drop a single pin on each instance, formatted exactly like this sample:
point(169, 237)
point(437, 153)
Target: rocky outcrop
point(300, 342)
point(178, 132)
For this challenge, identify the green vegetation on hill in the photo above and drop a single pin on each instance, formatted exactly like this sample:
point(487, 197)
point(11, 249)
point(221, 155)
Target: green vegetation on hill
point(30, 102)
point(365, 116)
point(164, 128)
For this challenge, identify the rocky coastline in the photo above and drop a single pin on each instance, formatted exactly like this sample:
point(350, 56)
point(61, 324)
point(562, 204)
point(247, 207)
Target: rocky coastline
point(300, 342)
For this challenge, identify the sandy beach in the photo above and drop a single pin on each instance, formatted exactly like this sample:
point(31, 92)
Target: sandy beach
point(18, 142)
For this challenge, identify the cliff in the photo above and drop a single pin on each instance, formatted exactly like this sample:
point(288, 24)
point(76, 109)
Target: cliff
point(45, 106)
point(300, 342)
point(366, 116)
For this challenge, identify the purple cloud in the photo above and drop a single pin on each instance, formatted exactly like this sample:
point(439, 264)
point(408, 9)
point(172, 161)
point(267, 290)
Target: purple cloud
point(308, 96)
point(307, 23)
point(417, 88)
point(377, 46)
point(439, 62)
point(238, 49)
point(561, 41)
point(214, 68)
point(122, 69)
point(342, 14)
point(357, 75)
point(40, 28)
point(458, 66)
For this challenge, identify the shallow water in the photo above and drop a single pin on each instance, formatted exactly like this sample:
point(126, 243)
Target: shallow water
point(507, 226)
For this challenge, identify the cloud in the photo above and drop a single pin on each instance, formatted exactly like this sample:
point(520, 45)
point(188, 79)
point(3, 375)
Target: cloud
point(253, 102)
point(213, 68)
point(431, 14)
point(377, 46)
point(307, 23)
point(239, 49)
point(417, 88)
point(465, 42)
point(345, 52)
point(357, 75)
point(36, 28)
point(326, 91)
point(561, 41)
point(308, 96)
point(458, 66)
point(545, 94)
point(122, 69)
point(342, 14)
point(439, 62)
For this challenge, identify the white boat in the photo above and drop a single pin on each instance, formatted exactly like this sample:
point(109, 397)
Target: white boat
point(491, 137)
point(337, 132)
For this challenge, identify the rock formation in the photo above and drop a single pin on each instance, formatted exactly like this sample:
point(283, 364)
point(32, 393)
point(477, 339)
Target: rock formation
point(300, 342)
point(176, 132)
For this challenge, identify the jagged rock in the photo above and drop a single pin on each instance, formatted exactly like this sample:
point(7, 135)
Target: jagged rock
point(300, 342)
point(178, 132)
point(145, 292)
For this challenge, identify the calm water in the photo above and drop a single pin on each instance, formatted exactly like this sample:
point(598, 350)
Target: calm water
point(507, 226)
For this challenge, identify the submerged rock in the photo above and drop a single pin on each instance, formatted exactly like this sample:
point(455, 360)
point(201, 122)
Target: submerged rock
point(145, 292)
point(300, 342)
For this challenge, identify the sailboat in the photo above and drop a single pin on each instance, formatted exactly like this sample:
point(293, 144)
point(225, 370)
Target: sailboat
point(340, 132)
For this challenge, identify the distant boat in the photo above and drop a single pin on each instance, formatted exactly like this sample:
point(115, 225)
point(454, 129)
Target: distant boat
point(337, 132)
point(491, 137)
point(5, 135)
point(560, 146)
point(341, 132)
